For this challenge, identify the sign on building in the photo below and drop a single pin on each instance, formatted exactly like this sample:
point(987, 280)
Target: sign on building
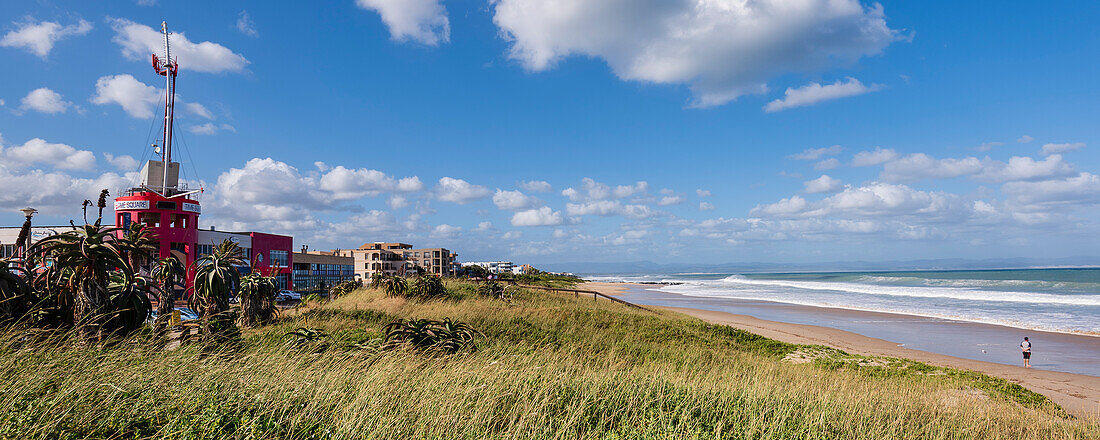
point(125, 205)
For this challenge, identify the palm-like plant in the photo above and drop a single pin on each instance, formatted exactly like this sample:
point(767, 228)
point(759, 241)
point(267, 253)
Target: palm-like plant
point(216, 277)
point(139, 244)
point(446, 336)
point(377, 279)
point(15, 293)
point(427, 286)
point(493, 289)
point(257, 299)
point(84, 259)
point(166, 271)
point(395, 286)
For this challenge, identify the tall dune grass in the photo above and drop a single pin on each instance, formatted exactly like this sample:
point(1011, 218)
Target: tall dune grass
point(547, 366)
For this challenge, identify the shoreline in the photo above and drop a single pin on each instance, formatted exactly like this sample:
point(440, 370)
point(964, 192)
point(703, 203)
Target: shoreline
point(1077, 393)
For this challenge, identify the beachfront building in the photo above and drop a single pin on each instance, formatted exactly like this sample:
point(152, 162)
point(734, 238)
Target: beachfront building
point(377, 258)
point(436, 261)
point(318, 270)
point(494, 267)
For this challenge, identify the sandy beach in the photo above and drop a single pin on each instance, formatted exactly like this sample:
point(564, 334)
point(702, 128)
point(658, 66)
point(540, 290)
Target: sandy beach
point(1077, 393)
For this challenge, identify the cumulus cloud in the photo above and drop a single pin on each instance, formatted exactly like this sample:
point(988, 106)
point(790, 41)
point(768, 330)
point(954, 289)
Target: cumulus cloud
point(1084, 187)
point(52, 192)
point(817, 153)
point(39, 37)
point(536, 186)
point(198, 110)
point(706, 206)
point(44, 100)
point(245, 25)
point(921, 166)
point(823, 184)
point(720, 49)
point(593, 190)
point(124, 162)
point(1025, 168)
point(543, 216)
point(210, 128)
point(1062, 148)
point(606, 208)
point(347, 184)
point(986, 146)
point(873, 157)
point(423, 21)
point(1024, 139)
point(827, 164)
point(446, 231)
point(670, 200)
point(513, 200)
point(814, 93)
point(875, 199)
point(39, 152)
point(459, 191)
point(702, 193)
point(135, 97)
point(138, 41)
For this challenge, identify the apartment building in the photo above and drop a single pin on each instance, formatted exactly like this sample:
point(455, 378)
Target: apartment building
point(437, 261)
point(493, 267)
point(372, 258)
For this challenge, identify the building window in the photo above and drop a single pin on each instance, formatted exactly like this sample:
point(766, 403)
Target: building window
point(279, 258)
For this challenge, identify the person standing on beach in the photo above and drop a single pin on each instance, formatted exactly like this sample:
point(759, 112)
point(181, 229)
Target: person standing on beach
point(1025, 347)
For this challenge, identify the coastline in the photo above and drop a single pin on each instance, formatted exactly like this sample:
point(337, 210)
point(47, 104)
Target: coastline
point(1077, 393)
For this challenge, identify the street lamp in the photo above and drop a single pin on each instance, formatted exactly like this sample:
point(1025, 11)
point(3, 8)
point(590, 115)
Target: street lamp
point(29, 212)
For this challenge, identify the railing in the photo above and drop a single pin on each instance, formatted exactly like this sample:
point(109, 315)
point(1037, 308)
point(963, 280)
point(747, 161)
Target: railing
point(577, 292)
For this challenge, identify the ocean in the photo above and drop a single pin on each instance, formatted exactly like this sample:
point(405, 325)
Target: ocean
point(1055, 300)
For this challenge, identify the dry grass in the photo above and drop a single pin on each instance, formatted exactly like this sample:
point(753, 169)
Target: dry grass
point(548, 366)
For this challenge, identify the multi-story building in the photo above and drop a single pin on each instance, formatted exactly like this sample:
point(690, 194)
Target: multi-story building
point(493, 267)
point(437, 261)
point(372, 258)
point(317, 270)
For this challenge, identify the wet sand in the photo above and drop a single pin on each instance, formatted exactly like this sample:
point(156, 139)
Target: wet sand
point(1077, 393)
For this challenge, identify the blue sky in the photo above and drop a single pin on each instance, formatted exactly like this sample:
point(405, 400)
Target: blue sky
point(693, 131)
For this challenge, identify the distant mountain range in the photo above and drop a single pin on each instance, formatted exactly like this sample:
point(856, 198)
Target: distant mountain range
point(644, 267)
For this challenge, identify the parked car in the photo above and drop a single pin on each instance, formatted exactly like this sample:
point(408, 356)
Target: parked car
point(186, 314)
point(287, 295)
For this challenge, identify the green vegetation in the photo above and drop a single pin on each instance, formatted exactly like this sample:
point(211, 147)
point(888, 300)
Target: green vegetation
point(546, 366)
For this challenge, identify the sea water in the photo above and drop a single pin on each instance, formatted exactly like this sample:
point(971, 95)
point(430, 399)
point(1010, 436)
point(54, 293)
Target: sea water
point(1058, 300)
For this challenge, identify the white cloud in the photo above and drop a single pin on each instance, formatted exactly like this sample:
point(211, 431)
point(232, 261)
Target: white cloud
point(136, 98)
point(267, 189)
point(593, 190)
point(873, 157)
point(920, 166)
point(139, 41)
point(52, 192)
point(814, 93)
point(543, 216)
point(39, 38)
point(827, 164)
point(459, 191)
point(1025, 168)
point(536, 186)
point(39, 152)
point(446, 231)
point(706, 206)
point(1062, 148)
point(817, 153)
point(245, 25)
point(702, 193)
point(513, 200)
point(423, 21)
point(198, 110)
point(348, 184)
point(986, 146)
point(872, 200)
point(511, 235)
point(397, 202)
point(823, 184)
point(1024, 139)
point(1085, 187)
point(721, 49)
point(44, 100)
point(670, 200)
point(484, 226)
point(210, 128)
point(606, 208)
point(124, 162)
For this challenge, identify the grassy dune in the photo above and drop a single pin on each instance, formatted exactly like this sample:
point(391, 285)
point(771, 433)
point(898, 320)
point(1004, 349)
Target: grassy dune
point(547, 366)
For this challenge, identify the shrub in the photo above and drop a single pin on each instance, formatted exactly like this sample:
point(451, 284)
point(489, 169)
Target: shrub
point(426, 287)
point(446, 336)
point(395, 286)
point(493, 289)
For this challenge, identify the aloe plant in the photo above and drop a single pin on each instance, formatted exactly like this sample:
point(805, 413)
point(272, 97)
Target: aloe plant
point(426, 287)
point(257, 295)
point(166, 271)
point(445, 336)
point(216, 278)
point(15, 293)
point(395, 286)
point(84, 260)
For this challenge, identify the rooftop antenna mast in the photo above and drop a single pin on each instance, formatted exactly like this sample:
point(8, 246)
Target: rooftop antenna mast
point(168, 68)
